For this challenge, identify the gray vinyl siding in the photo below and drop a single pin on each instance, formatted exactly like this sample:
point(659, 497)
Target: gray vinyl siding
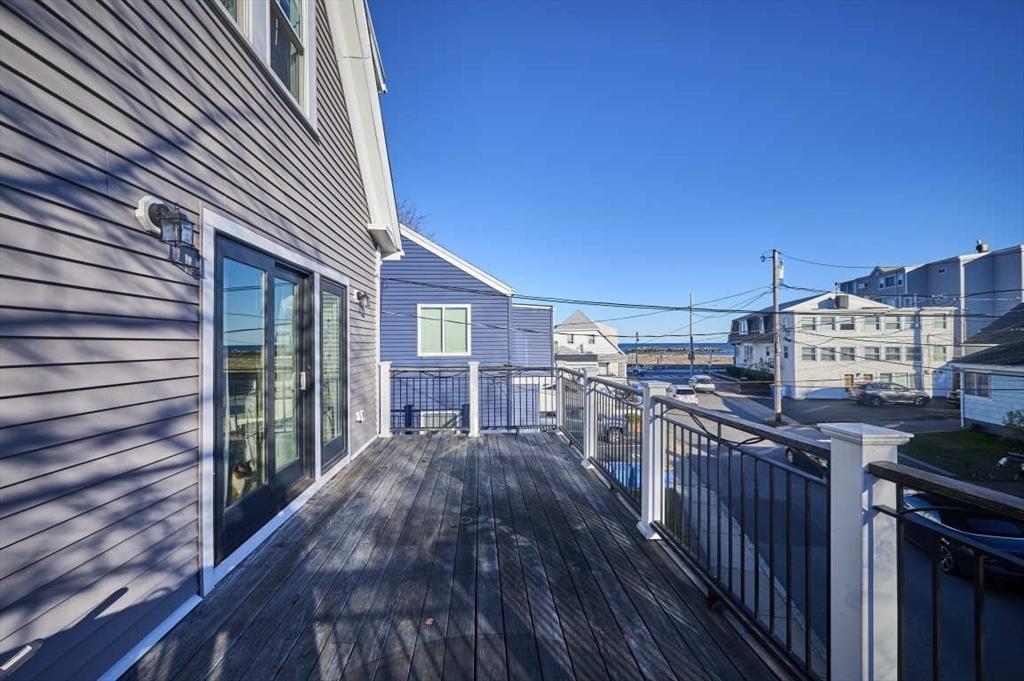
point(102, 103)
point(438, 282)
point(532, 340)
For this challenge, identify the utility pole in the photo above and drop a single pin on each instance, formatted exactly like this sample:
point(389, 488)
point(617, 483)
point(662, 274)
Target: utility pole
point(777, 326)
point(691, 334)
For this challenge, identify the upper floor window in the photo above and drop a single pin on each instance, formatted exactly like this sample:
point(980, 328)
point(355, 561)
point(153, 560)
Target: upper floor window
point(872, 323)
point(846, 324)
point(893, 353)
point(939, 322)
point(591, 339)
point(280, 33)
point(571, 339)
point(828, 354)
point(892, 323)
point(914, 353)
point(807, 323)
point(847, 354)
point(743, 326)
point(889, 281)
point(939, 354)
point(872, 353)
point(827, 324)
point(443, 329)
point(808, 353)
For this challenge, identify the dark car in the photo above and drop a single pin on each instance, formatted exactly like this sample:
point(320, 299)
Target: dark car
point(956, 523)
point(877, 393)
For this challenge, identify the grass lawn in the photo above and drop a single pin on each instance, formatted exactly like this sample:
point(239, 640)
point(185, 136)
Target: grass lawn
point(967, 454)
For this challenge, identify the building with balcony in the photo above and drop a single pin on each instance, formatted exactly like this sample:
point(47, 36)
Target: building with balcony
point(832, 341)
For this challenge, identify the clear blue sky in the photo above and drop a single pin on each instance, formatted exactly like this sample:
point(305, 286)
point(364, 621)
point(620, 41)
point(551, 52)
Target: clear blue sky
point(640, 151)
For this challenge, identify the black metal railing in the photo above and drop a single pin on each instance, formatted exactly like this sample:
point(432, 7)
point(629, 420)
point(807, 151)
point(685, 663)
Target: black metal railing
point(619, 435)
point(429, 400)
point(516, 399)
point(954, 583)
point(753, 526)
point(570, 405)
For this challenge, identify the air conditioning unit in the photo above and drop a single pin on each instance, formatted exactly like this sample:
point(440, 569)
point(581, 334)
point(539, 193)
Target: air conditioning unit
point(441, 418)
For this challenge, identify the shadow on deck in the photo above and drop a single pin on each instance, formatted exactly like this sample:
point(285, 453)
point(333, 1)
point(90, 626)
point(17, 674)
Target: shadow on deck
point(447, 557)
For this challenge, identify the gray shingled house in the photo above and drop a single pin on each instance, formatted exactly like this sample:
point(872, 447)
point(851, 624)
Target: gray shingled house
point(195, 200)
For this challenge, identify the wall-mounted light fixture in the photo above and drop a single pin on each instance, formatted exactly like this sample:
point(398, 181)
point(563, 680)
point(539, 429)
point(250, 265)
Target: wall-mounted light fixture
point(173, 228)
point(361, 298)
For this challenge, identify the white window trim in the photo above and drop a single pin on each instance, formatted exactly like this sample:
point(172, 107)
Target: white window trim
point(444, 307)
point(254, 27)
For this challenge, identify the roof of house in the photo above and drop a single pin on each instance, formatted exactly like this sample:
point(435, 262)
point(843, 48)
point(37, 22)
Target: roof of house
point(1006, 329)
point(1008, 355)
point(443, 253)
point(581, 323)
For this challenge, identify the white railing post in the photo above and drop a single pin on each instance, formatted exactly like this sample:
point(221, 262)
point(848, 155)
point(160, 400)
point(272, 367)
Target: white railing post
point(559, 402)
point(474, 399)
point(651, 474)
point(384, 395)
point(862, 556)
point(589, 417)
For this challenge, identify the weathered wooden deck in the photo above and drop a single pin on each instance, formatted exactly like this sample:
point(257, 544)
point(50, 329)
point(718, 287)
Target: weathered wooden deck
point(442, 557)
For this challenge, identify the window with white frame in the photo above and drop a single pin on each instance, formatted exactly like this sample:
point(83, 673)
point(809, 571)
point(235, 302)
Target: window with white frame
point(873, 323)
point(743, 326)
point(281, 34)
point(892, 353)
point(939, 322)
point(591, 339)
point(808, 354)
point(570, 339)
point(914, 353)
point(785, 352)
point(885, 378)
point(846, 324)
point(807, 323)
point(976, 383)
point(828, 354)
point(889, 281)
point(891, 323)
point(827, 324)
point(872, 352)
point(939, 354)
point(847, 354)
point(443, 329)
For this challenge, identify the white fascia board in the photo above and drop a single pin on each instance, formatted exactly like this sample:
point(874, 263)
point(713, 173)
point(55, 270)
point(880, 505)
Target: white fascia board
point(362, 79)
point(448, 256)
point(530, 306)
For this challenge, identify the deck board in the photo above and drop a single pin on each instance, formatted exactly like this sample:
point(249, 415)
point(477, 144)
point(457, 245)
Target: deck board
point(445, 557)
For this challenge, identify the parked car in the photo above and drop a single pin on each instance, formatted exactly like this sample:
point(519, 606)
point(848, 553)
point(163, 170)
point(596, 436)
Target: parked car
point(684, 393)
point(955, 522)
point(877, 393)
point(809, 462)
point(702, 383)
point(612, 428)
point(953, 398)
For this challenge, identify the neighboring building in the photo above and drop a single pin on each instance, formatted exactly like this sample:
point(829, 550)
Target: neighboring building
point(1007, 329)
point(832, 341)
point(164, 407)
point(982, 286)
point(437, 310)
point(992, 383)
point(579, 335)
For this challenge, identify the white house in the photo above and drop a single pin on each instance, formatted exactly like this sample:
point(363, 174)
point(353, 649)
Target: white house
point(993, 386)
point(832, 341)
point(578, 337)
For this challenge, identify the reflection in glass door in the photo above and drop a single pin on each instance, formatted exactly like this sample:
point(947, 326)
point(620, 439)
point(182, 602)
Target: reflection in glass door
point(262, 459)
point(333, 380)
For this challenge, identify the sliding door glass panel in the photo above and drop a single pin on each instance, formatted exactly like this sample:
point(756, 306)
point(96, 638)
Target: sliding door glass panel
point(244, 363)
point(330, 363)
point(287, 336)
